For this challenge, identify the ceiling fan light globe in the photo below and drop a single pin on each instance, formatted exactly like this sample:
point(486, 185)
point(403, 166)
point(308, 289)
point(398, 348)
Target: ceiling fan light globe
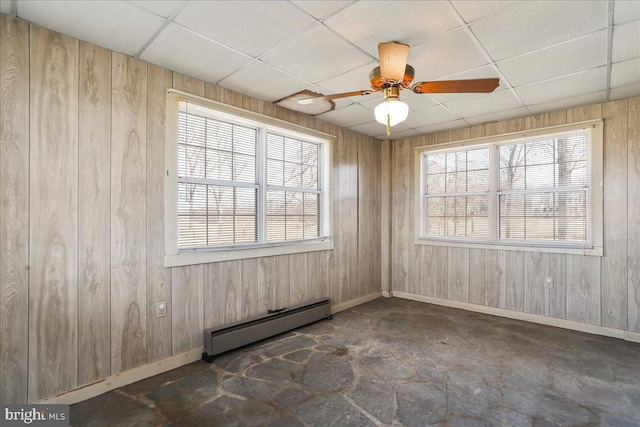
point(396, 110)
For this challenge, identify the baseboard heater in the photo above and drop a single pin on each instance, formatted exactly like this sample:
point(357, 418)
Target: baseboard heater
point(222, 339)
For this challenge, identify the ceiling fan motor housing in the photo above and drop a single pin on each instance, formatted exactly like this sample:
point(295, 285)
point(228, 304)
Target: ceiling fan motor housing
point(378, 82)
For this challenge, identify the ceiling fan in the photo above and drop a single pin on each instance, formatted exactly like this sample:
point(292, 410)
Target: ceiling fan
point(392, 76)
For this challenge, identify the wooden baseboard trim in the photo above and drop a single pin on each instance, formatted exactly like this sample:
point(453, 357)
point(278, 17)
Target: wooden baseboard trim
point(122, 379)
point(387, 294)
point(354, 302)
point(527, 317)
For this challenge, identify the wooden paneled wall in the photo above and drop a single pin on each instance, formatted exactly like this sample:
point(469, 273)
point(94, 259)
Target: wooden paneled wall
point(603, 291)
point(82, 166)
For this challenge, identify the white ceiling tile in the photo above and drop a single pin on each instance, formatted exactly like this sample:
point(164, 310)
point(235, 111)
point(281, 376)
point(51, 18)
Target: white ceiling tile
point(577, 55)
point(456, 124)
point(563, 104)
point(429, 116)
point(317, 55)
point(372, 128)
point(564, 87)
point(472, 10)
point(625, 73)
point(626, 41)
point(321, 8)
point(538, 24)
point(625, 10)
point(164, 8)
point(252, 27)
point(367, 23)
point(485, 104)
point(624, 92)
point(448, 54)
point(179, 49)
point(115, 25)
point(496, 117)
point(261, 81)
point(350, 81)
point(5, 7)
point(351, 115)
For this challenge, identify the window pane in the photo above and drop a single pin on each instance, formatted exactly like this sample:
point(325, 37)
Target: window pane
point(478, 180)
point(295, 227)
point(292, 174)
point(211, 150)
point(310, 154)
point(275, 172)
point(219, 135)
point(244, 168)
point(219, 165)
point(275, 146)
point(539, 176)
point(311, 229)
point(293, 150)
point(309, 176)
point(191, 161)
point(478, 159)
point(436, 183)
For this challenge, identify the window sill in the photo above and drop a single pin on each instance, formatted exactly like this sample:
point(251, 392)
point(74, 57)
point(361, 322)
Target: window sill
point(204, 257)
point(595, 251)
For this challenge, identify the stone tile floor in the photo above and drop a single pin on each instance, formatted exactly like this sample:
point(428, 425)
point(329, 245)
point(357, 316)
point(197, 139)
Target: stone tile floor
point(393, 362)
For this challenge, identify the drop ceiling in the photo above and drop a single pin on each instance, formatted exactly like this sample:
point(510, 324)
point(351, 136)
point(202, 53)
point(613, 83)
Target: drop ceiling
point(549, 55)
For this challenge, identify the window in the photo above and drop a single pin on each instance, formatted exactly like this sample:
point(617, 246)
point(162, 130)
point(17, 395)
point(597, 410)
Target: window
point(537, 190)
point(242, 185)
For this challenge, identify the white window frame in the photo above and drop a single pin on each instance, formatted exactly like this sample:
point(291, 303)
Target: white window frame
point(492, 242)
point(174, 256)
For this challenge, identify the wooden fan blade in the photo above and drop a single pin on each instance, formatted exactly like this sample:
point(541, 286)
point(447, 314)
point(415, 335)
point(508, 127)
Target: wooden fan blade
point(312, 99)
point(393, 60)
point(457, 86)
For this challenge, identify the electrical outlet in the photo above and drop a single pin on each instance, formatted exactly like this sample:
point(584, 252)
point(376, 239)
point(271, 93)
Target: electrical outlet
point(548, 282)
point(161, 309)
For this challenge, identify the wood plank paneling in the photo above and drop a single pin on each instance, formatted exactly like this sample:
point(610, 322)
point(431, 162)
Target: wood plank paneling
point(53, 180)
point(633, 259)
point(94, 207)
point(211, 295)
point(495, 284)
point(385, 214)
point(401, 239)
point(583, 289)
point(477, 264)
point(614, 262)
point(187, 295)
point(557, 296)
point(414, 282)
point(280, 277)
point(514, 281)
point(316, 275)
point(348, 223)
point(158, 276)
point(297, 278)
point(458, 274)
point(266, 285)
point(536, 266)
point(128, 213)
point(249, 268)
point(14, 209)
point(369, 218)
point(230, 287)
point(187, 320)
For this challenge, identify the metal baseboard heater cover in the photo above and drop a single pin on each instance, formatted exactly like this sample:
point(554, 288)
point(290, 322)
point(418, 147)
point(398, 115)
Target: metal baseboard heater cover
point(222, 339)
